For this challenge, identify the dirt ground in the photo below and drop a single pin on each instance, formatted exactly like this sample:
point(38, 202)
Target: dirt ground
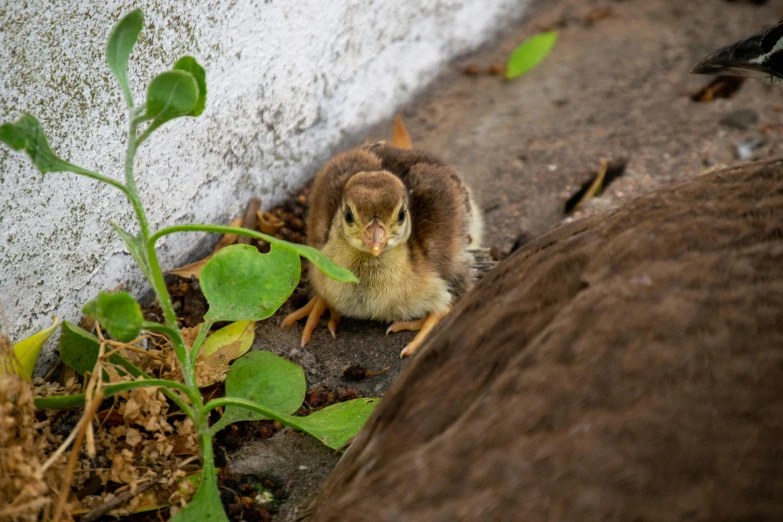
point(616, 87)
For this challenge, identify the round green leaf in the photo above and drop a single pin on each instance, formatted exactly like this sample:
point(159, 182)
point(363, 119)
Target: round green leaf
point(242, 284)
point(530, 53)
point(190, 65)
point(79, 350)
point(118, 313)
point(171, 94)
point(266, 379)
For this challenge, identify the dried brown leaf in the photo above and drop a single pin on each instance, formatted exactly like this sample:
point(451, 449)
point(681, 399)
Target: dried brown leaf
point(596, 186)
point(222, 347)
point(720, 87)
point(249, 221)
point(268, 223)
point(132, 437)
point(400, 138)
point(598, 14)
point(23, 489)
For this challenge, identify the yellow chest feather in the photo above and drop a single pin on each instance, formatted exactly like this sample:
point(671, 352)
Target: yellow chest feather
point(390, 287)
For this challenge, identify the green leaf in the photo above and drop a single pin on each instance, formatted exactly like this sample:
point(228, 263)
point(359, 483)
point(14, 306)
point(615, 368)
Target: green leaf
point(240, 332)
point(135, 246)
point(189, 64)
point(323, 263)
point(26, 353)
point(205, 505)
point(79, 350)
point(336, 424)
point(119, 47)
point(530, 53)
point(222, 347)
point(241, 284)
point(266, 379)
point(26, 133)
point(171, 94)
point(118, 313)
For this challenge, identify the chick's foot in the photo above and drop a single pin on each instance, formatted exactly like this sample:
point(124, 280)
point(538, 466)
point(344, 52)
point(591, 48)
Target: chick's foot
point(423, 325)
point(401, 326)
point(313, 310)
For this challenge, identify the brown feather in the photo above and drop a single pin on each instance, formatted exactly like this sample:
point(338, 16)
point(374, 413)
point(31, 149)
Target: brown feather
point(376, 194)
point(628, 366)
point(328, 188)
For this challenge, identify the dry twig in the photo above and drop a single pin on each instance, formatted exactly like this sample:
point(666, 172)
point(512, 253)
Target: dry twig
point(250, 219)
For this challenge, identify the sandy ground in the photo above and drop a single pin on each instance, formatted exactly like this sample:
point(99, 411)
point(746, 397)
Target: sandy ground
point(616, 88)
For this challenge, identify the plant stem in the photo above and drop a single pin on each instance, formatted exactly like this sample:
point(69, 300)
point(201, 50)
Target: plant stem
point(199, 342)
point(157, 327)
point(148, 131)
point(248, 405)
point(100, 177)
point(219, 229)
point(155, 274)
point(207, 455)
point(130, 157)
point(72, 401)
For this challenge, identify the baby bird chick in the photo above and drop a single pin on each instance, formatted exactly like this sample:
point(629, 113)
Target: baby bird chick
point(404, 223)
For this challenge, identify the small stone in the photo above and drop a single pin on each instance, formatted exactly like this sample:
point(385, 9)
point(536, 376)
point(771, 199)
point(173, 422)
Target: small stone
point(741, 119)
point(497, 69)
point(745, 148)
point(472, 69)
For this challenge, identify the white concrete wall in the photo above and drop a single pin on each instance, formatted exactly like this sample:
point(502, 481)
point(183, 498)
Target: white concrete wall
point(287, 81)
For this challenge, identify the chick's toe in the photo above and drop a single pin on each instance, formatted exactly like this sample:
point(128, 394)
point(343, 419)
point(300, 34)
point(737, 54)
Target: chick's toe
point(313, 310)
point(426, 326)
point(401, 326)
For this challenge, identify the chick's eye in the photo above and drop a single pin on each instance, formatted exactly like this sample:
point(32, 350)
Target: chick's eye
point(348, 216)
point(401, 215)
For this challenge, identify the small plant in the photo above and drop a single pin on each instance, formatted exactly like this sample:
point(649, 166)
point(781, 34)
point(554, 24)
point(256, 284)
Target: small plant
point(239, 283)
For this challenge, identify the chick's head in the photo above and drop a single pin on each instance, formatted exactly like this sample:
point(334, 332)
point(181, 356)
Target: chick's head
point(374, 212)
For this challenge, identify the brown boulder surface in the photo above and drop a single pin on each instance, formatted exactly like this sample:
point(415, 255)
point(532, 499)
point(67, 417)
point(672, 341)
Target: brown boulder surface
point(627, 366)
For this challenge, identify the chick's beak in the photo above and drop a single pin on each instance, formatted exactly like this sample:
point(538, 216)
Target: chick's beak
point(374, 238)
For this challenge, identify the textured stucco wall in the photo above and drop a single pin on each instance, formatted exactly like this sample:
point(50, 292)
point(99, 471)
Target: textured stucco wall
point(287, 81)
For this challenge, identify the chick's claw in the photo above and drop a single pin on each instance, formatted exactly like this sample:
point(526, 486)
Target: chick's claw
point(424, 326)
point(334, 320)
point(313, 310)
